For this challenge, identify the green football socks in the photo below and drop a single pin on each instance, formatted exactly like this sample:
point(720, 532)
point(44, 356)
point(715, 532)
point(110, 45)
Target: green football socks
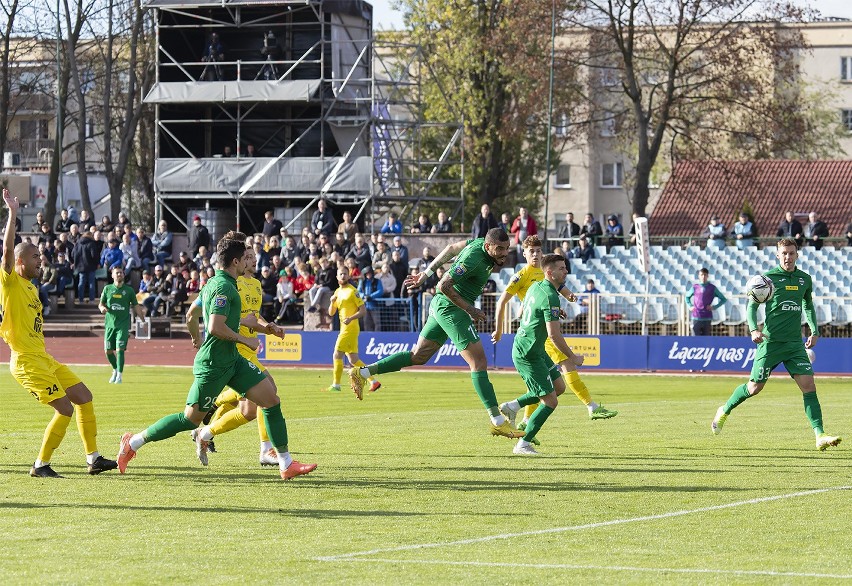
point(168, 426)
point(485, 390)
point(119, 359)
point(393, 363)
point(813, 411)
point(276, 428)
point(528, 399)
point(112, 361)
point(537, 421)
point(739, 395)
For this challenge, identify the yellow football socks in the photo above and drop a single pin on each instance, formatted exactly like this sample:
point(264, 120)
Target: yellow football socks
point(53, 435)
point(529, 410)
point(87, 426)
point(578, 387)
point(261, 425)
point(225, 402)
point(228, 422)
point(338, 370)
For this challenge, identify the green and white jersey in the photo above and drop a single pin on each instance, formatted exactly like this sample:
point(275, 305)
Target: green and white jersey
point(118, 301)
point(793, 292)
point(470, 271)
point(219, 296)
point(541, 305)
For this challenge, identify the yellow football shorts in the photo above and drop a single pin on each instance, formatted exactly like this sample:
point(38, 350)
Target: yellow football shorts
point(251, 356)
point(42, 376)
point(553, 352)
point(347, 341)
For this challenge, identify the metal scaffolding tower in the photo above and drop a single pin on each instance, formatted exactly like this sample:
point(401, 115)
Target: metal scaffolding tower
point(276, 104)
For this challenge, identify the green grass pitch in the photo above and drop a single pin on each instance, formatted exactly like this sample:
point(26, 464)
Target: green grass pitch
point(411, 488)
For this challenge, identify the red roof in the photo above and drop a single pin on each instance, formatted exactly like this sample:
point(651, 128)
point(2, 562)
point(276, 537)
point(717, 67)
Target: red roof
point(700, 189)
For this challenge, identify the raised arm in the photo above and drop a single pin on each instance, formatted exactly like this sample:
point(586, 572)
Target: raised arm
point(9, 238)
point(450, 251)
point(500, 314)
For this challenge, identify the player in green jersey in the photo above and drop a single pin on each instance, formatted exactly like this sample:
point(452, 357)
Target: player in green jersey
point(452, 315)
point(539, 323)
point(116, 303)
point(219, 364)
point(781, 341)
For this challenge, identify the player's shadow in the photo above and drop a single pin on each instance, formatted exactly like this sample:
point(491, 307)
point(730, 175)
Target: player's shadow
point(424, 484)
point(304, 513)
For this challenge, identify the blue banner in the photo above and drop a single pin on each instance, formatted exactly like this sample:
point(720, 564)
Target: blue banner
point(631, 353)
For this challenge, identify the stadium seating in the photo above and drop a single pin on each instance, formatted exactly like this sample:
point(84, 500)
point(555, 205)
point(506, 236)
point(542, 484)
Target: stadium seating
point(619, 277)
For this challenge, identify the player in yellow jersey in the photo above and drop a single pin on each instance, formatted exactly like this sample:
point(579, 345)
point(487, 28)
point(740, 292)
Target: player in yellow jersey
point(50, 382)
point(519, 284)
point(233, 411)
point(351, 307)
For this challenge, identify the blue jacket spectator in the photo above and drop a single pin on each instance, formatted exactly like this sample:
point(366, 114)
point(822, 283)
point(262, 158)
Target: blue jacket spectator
point(370, 289)
point(112, 257)
point(401, 248)
point(392, 225)
point(583, 250)
point(614, 232)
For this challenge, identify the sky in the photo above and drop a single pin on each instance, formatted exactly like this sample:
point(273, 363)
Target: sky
point(386, 17)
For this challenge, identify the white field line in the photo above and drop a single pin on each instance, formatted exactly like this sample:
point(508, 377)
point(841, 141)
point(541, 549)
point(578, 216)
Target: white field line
point(607, 568)
point(613, 522)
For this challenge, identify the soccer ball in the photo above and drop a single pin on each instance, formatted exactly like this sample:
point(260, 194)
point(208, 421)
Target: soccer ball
point(760, 289)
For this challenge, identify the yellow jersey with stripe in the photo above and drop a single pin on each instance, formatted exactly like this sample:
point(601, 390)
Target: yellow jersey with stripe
point(251, 297)
point(523, 280)
point(22, 314)
point(347, 303)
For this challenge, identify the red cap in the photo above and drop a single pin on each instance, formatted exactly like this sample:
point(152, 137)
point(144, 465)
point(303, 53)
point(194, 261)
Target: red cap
point(196, 218)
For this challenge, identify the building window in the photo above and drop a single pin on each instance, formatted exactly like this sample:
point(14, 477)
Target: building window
point(34, 129)
point(612, 175)
point(560, 127)
point(28, 82)
point(90, 129)
point(846, 69)
point(563, 177)
point(608, 126)
point(846, 117)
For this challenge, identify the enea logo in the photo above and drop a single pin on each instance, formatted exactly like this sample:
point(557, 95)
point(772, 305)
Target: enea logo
point(590, 348)
point(288, 349)
point(789, 306)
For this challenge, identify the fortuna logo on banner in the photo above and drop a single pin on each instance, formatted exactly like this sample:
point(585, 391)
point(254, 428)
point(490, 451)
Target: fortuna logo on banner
point(707, 354)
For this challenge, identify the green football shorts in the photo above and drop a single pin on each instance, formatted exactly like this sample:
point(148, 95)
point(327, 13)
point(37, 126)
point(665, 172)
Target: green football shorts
point(447, 320)
point(538, 371)
point(116, 338)
point(771, 354)
point(241, 376)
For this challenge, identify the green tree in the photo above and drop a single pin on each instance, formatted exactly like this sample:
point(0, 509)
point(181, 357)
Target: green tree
point(489, 64)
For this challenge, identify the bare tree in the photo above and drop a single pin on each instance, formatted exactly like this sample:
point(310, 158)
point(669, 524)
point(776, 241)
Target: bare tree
point(129, 63)
point(709, 78)
point(81, 78)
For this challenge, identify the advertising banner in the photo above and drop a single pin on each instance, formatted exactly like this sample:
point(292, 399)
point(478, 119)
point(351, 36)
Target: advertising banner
point(631, 353)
